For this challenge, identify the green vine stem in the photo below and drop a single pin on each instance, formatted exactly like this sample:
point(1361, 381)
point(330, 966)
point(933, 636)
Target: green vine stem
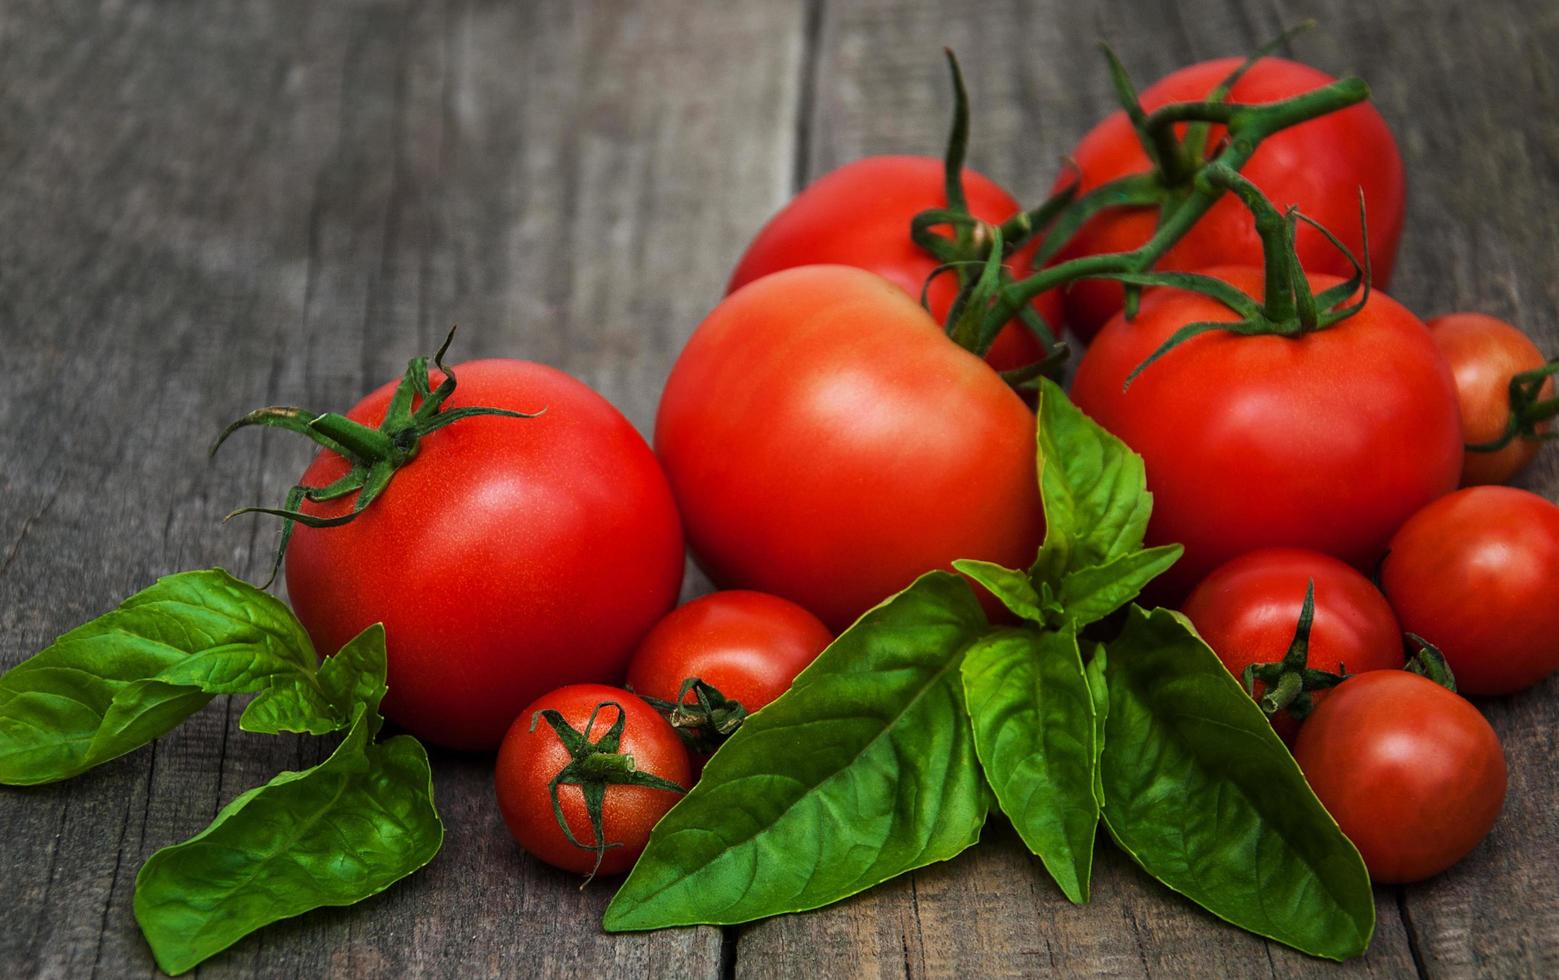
point(1528, 410)
point(704, 722)
point(1290, 680)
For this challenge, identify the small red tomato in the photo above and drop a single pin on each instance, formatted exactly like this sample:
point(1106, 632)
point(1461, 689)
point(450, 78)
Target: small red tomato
point(1476, 574)
point(533, 755)
point(860, 215)
point(747, 645)
point(1484, 354)
point(1247, 611)
point(1412, 773)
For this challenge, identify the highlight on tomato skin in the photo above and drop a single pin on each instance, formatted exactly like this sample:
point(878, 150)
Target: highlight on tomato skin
point(1485, 353)
point(1412, 773)
point(859, 214)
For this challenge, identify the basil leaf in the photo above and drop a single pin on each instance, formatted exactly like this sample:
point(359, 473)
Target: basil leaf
point(1033, 721)
point(1200, 791)
point(1090, 594)
point(1099, 692)
point(133, 674)
point(1012, 587)
point(863, 770)
point(325, 702)
point(332, 835)
point(1094, 491)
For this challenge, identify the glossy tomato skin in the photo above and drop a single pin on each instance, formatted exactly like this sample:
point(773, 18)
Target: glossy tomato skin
point(1319, 165)
point(532, 755)
point(1326, 442)
point(1477, 574)
point(1248, 609)
point(1411, 772)
point(860, 215)
point(1484, 354)
point(828, 444)
point(747, 645)
point(509, 557)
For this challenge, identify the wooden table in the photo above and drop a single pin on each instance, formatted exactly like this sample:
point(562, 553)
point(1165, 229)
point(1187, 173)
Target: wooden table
point(206, 207)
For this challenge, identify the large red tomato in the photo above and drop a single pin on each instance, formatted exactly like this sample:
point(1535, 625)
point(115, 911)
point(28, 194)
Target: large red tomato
point(1326, 441)
point(509, 557)
point(1477, 574)
point(1484, 354)
point(1413, 774)
point(1247, 611)
point(827, 443)
point(860, 215)
point(1318, 165)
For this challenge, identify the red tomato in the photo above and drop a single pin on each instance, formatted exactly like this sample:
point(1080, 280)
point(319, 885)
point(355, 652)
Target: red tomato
point(1477, 575)
point(1327, 441)
point(511, 556)
point(827, 443)
point(532, 754)
point(1319, 165)
point(1413, 774)
point(747, 645)
point(860, 215)
point(1484, 354)
point(1247, 611)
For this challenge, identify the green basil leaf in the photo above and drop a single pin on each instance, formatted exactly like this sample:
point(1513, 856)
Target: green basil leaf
point(325, 702)
point(863, 770)
point(331, 835)
point(1099, 691)
point(1200, 791)
point(1034, 730)
point(1090, 594)
point(133, 674)
point(1012, 587)
point(1094, 491)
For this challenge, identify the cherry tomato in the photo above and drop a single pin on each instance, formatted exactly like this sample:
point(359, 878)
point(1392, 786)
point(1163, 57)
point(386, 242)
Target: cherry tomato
point(747, 645)
point(502, 560)
point(1484, 354)
point(827, 443)
point(860, 215)
point(532, 755)
point(1477, 574)
point(1247, 611)
point(1413, 774)
point(1326, 441)
point(1319, 166)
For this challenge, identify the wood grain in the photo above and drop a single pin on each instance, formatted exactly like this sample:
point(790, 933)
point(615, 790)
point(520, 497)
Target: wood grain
point(208, 207)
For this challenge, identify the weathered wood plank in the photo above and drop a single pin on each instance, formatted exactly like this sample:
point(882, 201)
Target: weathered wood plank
point(233, 204)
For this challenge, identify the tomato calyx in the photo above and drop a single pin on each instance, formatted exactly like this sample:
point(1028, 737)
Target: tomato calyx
point(415, 411)
point(593, 767)
point(1430, 662)
point(705, 722)
point(1290, 680)
point(1528, 410)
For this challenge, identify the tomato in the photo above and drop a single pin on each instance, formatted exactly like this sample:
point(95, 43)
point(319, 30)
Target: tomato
point(509, 557)
point(827, 443)
point(1484, 354)
point(1247, 611)
point(1413, 774)
point(1319, 166)
point(532, 755)
point(1326, 441)
point(747, 645)
point(860, 215)
point(1476, 574)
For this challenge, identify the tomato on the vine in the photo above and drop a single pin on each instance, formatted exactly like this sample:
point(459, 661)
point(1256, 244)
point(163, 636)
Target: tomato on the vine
point(747, 645)
point(491, 548)
point(1477, 575)
point(1327, 440)
point(1485, 354)
point(828, 443)
point(860, 215)
point(1248, 611)
point(1412, 773)
point(1320, 166)
point(642, 765)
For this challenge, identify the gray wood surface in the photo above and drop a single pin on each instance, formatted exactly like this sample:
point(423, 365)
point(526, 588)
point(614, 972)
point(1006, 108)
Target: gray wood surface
point(210, 206)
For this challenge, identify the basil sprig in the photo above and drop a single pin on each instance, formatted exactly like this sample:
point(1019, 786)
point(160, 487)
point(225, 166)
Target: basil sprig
point(874, 762)
point(331, 835)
